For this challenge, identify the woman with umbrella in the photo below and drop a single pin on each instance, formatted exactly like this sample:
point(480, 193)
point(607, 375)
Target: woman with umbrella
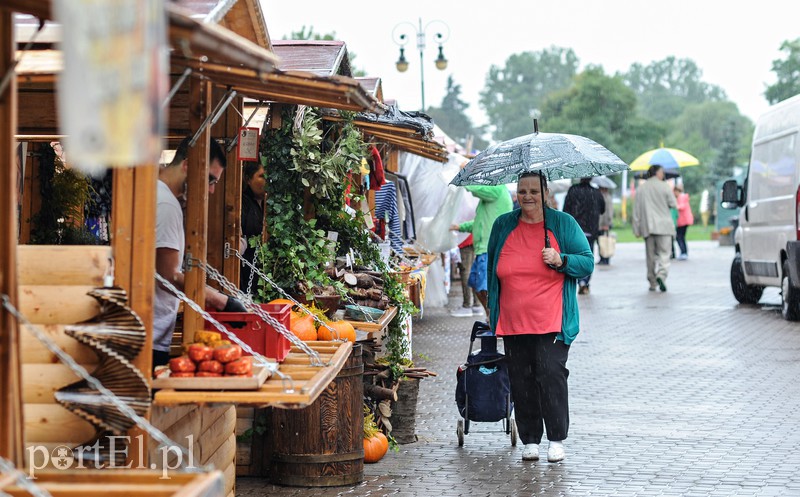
point(532, 281)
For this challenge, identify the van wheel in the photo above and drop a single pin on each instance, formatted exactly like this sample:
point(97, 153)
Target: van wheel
point(790, 307)
point(742, 292)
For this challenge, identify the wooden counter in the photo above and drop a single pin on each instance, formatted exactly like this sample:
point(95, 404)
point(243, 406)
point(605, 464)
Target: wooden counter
point(308, 382)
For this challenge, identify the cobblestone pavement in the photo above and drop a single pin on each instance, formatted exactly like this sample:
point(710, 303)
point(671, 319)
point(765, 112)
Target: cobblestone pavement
point(683, 393)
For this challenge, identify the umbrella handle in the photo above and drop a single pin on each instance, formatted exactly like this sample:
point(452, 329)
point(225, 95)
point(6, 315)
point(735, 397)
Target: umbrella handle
point(544, 214)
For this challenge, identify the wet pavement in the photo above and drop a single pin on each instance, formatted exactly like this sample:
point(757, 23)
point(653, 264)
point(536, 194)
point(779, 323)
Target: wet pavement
point(683, 393)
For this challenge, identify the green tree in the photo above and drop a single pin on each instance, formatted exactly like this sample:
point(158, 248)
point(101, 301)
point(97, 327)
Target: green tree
point(307, 33)
point(666, 87)
point(729, 153)
point(602, 108)
point(452, 118)
point(704, 130)
point(512, 93)
point(788, 72)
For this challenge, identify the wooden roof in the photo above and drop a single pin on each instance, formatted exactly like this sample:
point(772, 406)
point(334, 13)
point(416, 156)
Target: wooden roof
point(320, 57)
point(373, 85)
point(243, 17)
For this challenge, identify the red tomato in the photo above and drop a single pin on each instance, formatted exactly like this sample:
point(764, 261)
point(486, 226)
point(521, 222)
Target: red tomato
point(240, 366)
point(227, 353)
point(182, 364)
point(210, 366)
point(199, 352)
point(181, 374)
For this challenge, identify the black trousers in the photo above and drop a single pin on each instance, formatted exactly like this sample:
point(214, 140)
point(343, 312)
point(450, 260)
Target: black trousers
point(537, 367)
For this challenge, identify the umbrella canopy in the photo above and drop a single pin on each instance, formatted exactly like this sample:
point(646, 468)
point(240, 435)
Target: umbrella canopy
point(603, 182)
point(671, 159)
point(556, 156)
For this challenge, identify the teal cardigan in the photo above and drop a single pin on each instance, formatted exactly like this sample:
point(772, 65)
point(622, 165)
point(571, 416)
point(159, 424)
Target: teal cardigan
point(573, 245)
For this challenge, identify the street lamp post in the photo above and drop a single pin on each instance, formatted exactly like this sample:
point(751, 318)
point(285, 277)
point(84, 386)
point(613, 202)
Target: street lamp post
point(401, 34)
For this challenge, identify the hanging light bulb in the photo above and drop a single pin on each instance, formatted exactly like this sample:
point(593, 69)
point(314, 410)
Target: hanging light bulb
point(402, 63)
point(441, 62)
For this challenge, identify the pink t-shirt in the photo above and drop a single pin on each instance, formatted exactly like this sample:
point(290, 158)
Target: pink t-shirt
point(530, 292)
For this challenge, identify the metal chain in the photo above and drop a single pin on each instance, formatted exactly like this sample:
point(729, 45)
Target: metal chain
point(8, 468)
point(263, 361)
point(259, 311)
point(274, 285)
point(252, 274)
point(94, 382)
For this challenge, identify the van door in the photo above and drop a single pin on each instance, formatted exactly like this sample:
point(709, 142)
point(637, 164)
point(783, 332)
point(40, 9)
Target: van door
point(768, 217)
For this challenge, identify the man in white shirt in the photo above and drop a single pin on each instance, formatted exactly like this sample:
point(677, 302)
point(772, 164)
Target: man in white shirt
point(170, 244)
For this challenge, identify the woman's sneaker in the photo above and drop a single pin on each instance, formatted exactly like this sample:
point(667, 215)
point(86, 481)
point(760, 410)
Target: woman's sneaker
point(477, 310)
point(530, 452)
point(462, 312)
point(555, 452)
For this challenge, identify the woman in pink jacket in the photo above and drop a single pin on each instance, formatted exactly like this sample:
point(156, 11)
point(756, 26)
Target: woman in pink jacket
point(685, 219)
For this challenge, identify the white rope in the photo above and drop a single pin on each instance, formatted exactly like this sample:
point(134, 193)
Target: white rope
point(94, 382)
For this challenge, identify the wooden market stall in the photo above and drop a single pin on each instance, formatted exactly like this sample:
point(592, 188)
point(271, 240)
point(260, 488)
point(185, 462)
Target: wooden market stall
point(211, 53)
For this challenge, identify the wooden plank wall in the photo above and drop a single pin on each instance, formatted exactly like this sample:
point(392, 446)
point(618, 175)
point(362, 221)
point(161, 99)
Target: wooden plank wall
point(211, 430)
point(11, 418)
point(53, 281)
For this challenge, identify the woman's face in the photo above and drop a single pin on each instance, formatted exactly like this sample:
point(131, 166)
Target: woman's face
point(257, 182)
point(529, 196)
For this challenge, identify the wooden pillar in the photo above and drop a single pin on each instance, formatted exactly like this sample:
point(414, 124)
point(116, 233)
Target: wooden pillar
point(11, 422)
point(196, 221)
point(391, 159)
point(134, 248)
point(225, 204)
point(31, 199)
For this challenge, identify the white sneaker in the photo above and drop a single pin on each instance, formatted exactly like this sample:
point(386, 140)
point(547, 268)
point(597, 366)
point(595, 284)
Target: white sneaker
point(530, 452)
point(462, 312)
point(477, 310)
point(555, 452)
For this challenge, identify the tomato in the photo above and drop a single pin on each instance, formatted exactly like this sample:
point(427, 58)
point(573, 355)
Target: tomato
point(210, 367)
point(182, 364)
point(227, 353)
point(207, 374)
point(181, 374)
point(240, 366)
point(199, 352)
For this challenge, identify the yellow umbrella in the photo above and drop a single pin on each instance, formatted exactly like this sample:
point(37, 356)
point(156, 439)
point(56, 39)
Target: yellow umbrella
point(671, 159)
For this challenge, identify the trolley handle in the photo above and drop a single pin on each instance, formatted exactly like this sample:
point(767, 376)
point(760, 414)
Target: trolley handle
point(483, 363)
point(480, 329)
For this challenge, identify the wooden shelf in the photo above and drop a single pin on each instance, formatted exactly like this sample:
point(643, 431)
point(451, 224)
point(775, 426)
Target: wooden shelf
point(127, 483)
point(307, 381)
point(378, 325)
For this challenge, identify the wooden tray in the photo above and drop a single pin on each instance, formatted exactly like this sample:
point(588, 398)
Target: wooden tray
point(260, 375)
point(378, 325)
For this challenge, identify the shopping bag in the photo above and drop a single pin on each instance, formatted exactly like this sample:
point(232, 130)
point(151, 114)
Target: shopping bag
point(607, 244)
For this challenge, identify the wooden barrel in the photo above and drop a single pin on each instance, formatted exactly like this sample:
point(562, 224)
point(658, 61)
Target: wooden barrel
point(322, 445)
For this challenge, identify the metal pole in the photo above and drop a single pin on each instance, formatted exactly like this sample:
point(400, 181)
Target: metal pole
point(421, 47)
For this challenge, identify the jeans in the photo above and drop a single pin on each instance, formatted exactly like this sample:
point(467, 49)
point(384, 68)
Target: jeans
point(681, 237)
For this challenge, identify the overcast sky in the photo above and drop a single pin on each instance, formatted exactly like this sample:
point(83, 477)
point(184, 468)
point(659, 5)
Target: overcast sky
point(733, 43)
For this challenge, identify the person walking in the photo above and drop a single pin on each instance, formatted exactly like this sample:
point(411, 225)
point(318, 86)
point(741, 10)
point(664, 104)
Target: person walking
point(470, 306)
point(534, 308)
point(653, 221)
point(606, 221)
point(585, 203)
point(685, 219)
point(492, 202)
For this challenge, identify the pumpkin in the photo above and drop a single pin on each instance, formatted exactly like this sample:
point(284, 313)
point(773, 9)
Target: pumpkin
point(375, 448)
point(343, 329)
point(281, 301)
point(302, 326)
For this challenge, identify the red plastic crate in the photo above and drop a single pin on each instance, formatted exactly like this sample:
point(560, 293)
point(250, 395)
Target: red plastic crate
point(256, 333)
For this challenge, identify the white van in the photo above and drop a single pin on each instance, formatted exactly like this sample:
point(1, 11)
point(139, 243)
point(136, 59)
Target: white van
point(768, 237)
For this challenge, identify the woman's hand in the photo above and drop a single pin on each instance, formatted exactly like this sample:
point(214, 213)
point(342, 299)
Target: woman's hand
point(453, 227)
point(551, 257)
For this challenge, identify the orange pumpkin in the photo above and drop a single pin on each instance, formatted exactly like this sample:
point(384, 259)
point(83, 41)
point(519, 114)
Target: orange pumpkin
point(281, 301)
point(343, 329)
point(375, 448)
point(303, 327)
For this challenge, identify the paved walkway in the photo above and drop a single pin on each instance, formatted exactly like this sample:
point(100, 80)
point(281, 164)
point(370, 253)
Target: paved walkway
point(684, 393)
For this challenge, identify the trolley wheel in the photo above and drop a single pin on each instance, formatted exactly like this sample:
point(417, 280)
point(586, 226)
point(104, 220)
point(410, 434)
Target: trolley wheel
point(460, 432)
point(513, 432)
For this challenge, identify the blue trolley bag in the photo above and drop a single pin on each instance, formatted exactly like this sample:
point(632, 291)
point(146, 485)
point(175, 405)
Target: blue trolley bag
point(483, 388)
